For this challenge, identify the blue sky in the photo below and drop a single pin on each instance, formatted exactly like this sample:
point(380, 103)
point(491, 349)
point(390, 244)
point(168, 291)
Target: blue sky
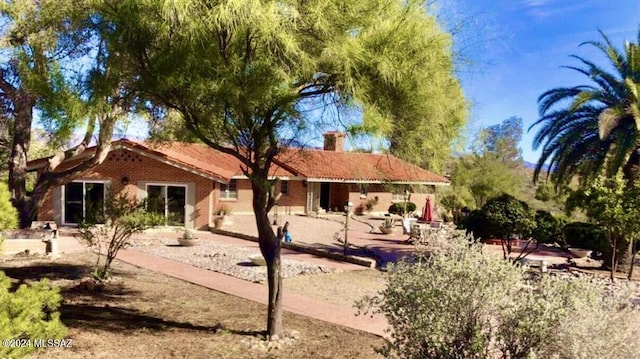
point(520, 46)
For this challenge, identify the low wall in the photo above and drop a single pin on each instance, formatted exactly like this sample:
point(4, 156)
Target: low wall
point(19, 241)
point(366, 262)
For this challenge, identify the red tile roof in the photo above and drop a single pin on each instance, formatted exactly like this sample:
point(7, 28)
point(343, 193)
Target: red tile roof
point(204, 158)
point(355, 166)
point(308, 163)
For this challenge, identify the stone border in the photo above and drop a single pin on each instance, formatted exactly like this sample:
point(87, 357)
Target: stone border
point(303, 248)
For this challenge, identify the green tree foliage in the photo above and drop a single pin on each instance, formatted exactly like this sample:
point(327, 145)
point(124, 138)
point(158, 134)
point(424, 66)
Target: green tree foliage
point(495, 310)
point(30, 311)
point(501, 141)
point(548, 228)
point(482, 178)
point(8, 214)
point(44, 42)
point(506, 218)
point(544, 192)
point(614, 204)
point(491, 169)
point(110, 230)
point(509, 218)
point(424, 116)
point(242, 74)
point(588, 236)
point(588, 128)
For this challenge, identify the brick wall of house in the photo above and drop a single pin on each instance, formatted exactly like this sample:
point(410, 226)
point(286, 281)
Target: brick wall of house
point(294, 202)
point(240, 205)
point(136, 167)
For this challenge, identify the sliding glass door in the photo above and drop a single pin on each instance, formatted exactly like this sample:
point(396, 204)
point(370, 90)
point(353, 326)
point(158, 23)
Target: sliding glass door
point(84, 201)
point(168, 200)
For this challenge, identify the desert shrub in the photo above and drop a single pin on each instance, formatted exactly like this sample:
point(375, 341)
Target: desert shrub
point(28, 313)
point(112, 230)
point(496, 310)
point(370, 204)
point(402, 208)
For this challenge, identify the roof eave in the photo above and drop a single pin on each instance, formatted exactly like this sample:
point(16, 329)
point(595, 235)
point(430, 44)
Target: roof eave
point(345, 180)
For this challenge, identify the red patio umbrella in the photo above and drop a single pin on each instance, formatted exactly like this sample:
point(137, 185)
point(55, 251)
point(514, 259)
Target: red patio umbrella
point(427, 213)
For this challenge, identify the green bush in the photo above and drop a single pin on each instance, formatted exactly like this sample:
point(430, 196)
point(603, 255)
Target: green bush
point(399, 208)
point(28, 313)
point(508, 217)
point(548, 228)
point(112, 230)
point(476, 224)
point(495, 310)
point(585, 235)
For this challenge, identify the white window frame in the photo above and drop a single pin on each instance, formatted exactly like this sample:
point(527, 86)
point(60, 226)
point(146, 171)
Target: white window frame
point(169, 184)
point(63, 200)
point(226, 194)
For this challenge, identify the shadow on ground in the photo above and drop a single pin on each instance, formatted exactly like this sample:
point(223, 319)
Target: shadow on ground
point(51, 271)
point(117, 319)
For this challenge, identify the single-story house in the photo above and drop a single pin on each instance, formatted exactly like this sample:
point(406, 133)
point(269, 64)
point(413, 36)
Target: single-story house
point(187, 182)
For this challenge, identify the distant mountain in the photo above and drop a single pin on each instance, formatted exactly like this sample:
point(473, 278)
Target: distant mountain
point(532, 166)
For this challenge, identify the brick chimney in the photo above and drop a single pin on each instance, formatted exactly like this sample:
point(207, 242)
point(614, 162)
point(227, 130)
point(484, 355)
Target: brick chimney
point(334, 141)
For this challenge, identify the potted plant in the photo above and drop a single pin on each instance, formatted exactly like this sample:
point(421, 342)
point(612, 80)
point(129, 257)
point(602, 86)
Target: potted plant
point(188, 239)
point(389, 226)
point(219, 215)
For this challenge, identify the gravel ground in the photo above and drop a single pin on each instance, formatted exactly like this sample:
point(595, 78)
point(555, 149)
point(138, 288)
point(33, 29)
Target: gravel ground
point(619, 286)
point(230, 260)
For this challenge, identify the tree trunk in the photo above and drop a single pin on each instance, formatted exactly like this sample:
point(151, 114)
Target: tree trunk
point(614, 260)
point(18, 159)
point(631, 171)
point(625, 256)
point(633, 260)
point(270, 249)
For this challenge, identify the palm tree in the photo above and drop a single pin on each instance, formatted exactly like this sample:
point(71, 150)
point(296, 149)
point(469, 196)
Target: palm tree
point(589, 129)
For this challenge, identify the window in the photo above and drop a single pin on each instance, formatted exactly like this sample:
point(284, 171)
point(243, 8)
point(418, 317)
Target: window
point(83, 201)
point(169, 201)
point(229, 191)
point(363, 190)
point(401, 193)
point(284, 187)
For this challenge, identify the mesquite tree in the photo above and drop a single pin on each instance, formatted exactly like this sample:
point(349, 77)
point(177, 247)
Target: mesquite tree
point(244, 75)
point(58, 67)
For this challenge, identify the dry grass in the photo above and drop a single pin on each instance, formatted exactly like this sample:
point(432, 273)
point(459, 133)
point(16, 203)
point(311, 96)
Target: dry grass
point(147, 315)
